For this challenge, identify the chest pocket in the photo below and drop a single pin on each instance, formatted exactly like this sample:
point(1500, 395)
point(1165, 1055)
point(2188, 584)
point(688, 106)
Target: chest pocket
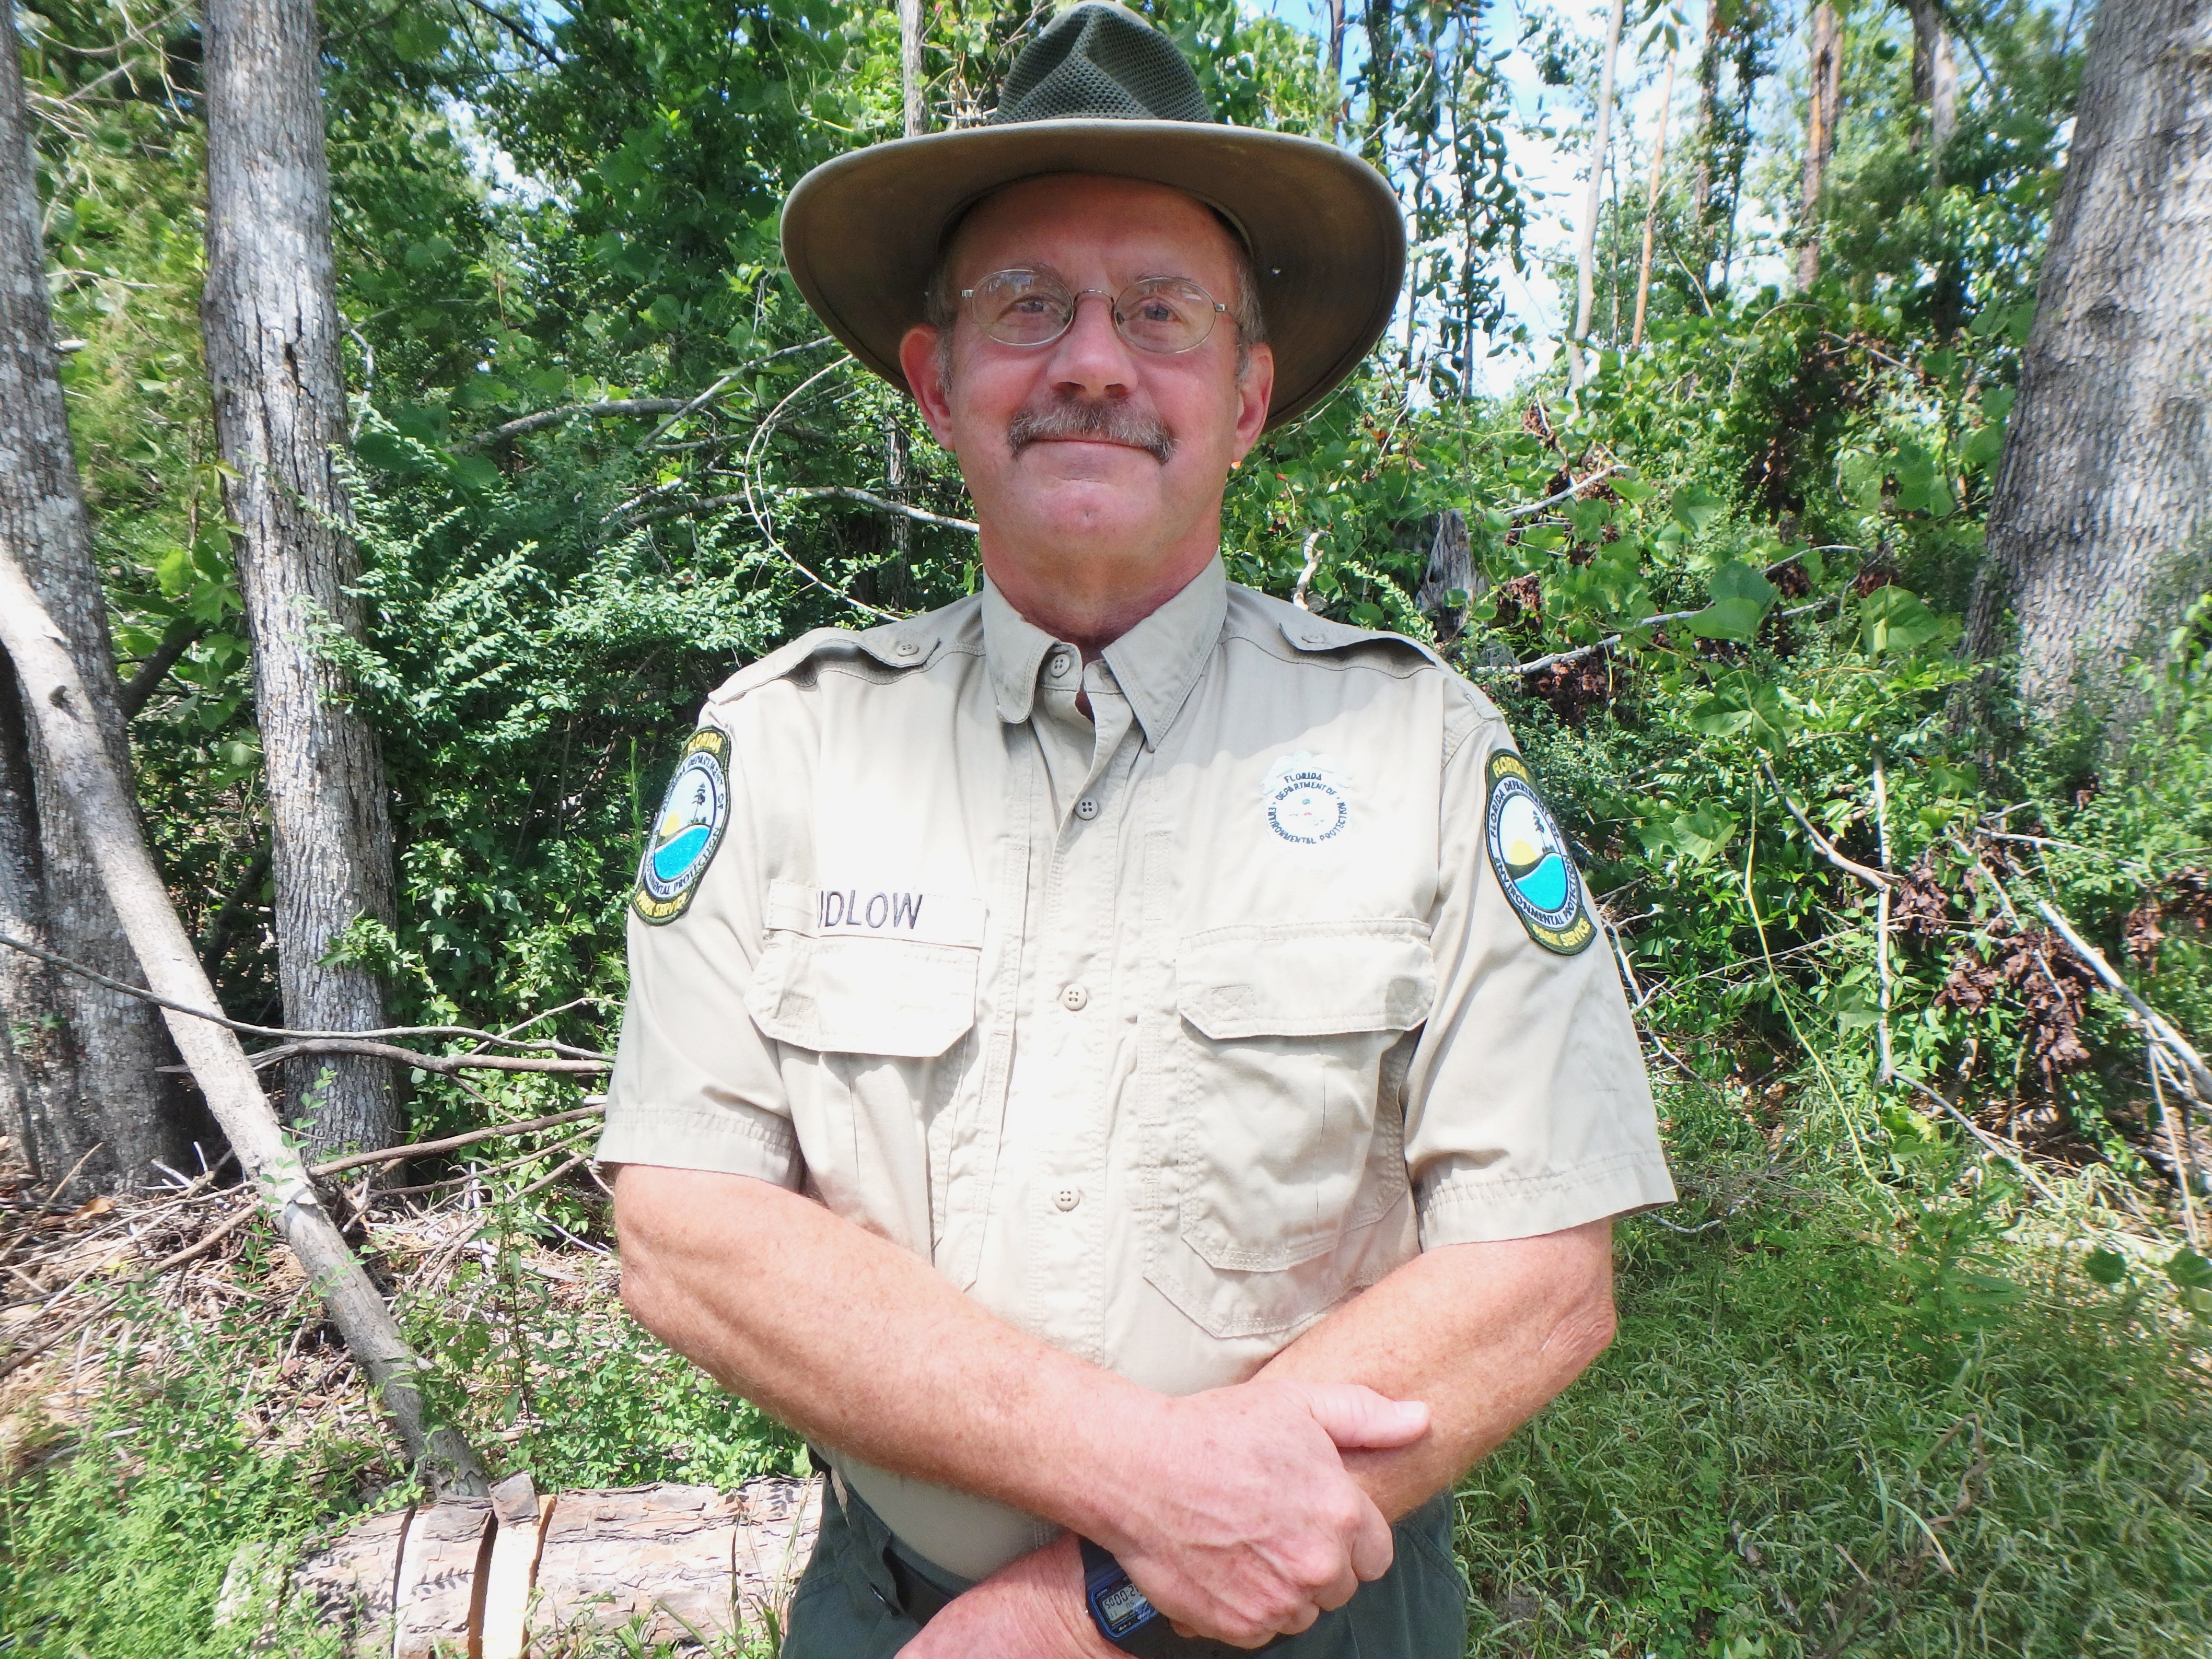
point(853, 972)
point(1286, 1128)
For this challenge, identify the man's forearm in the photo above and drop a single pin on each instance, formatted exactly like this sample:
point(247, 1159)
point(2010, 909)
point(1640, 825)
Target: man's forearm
point(862, 1345)
point(1485, 1335)
point(1231, 1508)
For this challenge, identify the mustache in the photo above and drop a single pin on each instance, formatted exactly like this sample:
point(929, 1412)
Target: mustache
point(1097, 419)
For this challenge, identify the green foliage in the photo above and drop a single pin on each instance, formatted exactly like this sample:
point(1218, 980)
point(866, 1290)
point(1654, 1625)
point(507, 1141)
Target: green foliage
point(568, 214)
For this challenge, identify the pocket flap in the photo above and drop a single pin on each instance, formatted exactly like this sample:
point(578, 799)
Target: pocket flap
point(1306, 978)
point(905, 989)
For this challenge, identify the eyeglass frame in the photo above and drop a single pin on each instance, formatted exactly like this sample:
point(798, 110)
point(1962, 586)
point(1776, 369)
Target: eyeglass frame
point(1076, 296)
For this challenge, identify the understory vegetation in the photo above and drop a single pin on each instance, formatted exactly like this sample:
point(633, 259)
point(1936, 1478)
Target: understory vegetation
point(1920, 1365)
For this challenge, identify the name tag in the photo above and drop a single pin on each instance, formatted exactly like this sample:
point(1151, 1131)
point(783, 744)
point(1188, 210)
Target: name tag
point(876, 910)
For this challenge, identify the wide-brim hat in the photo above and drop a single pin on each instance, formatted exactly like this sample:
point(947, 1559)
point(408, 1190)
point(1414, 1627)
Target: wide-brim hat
point(1103, 92)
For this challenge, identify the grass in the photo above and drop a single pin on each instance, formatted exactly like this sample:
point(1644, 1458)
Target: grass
point(1838, 1423)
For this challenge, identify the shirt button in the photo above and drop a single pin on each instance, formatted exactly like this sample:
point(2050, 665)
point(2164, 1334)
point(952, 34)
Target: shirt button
point(906, 648)
point(1060, 665)
point(1073, 999)
point(1067, 1198)
point(1086, 809)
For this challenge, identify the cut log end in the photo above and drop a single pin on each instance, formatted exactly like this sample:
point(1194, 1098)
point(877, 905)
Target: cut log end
point(674, 1565)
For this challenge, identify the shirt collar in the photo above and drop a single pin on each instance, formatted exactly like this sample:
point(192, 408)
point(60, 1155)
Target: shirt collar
point(1156, 663)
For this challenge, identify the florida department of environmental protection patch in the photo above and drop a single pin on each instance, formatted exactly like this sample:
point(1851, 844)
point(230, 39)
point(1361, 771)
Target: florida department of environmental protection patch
point(1530, 856)
point(687, 832)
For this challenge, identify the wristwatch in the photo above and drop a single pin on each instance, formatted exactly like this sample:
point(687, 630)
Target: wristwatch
point(1127, 1619)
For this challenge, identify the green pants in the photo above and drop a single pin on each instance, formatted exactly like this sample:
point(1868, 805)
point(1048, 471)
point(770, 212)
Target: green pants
point(864, 1597)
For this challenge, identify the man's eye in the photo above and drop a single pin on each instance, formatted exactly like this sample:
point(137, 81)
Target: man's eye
point(1029, 305)
point(1157, 310)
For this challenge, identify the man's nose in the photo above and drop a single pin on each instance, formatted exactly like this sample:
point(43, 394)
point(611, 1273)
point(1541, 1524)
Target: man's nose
point(1091, 357)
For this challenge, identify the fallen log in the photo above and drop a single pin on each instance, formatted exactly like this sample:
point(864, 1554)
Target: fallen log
point(682, 1566)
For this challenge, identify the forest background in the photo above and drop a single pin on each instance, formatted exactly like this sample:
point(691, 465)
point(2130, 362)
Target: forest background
point(1919, 1364)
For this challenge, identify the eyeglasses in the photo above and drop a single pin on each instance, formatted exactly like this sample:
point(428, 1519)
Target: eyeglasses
point(1165, 314)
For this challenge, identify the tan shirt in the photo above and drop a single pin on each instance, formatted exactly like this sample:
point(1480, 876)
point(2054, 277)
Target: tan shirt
point(1160, 1030)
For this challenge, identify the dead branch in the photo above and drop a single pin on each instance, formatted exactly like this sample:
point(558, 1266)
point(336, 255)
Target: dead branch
point(106, 817)
point(1874, 879)
point(1529, 509)
point(443, 1064)
point(2153, 1023)
point(243, 1029)
point(1312, 555)
point(452, 1143)
point(1979, 1133)
point(621, 408)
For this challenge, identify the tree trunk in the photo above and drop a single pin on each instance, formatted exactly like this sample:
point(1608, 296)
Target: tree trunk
point(84, 1066)
point(1824, 97)
point(1332, 61)
point(1382, 80)
point(2098, 529)
point(1651, 204)
point(1935, 73)
point(1586, 245)
point(911, 74)
point(90, 785)
point(271, 325)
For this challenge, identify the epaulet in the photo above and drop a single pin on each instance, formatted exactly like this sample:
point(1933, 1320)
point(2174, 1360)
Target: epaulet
point(1318, 634)
point(909, 642)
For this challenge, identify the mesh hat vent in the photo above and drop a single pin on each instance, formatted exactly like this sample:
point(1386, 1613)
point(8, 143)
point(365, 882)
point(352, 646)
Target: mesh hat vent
point(1100, 62)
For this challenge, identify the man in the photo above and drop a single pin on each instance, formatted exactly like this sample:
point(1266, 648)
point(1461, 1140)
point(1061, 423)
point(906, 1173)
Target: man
point(1123, 1069)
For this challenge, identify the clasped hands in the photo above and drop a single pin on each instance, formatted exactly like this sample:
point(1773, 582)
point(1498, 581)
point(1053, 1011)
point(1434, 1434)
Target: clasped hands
point(1232, 1510)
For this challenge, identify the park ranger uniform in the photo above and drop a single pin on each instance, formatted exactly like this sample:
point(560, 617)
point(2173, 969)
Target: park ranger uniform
point(1163, 1002)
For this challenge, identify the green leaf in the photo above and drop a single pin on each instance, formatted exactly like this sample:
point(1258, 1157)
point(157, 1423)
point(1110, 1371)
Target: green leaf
point(2189, 1271)
point(1704, 833)
point(1633, 489)
point(1694, 506)
point(2106, 1267)
point(1728, 619)
point(1745, 703)
point(1952, 782)
point(1893, 619)
point(417, 35)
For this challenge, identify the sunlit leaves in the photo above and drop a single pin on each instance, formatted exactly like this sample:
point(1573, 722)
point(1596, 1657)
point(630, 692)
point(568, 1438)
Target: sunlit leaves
point(1742, 599)
point(1892, 620)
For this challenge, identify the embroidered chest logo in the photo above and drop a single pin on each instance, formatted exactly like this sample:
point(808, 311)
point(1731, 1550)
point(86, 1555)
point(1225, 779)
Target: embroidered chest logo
point(1307, 799)
point(688, 830)
point(1530, 856)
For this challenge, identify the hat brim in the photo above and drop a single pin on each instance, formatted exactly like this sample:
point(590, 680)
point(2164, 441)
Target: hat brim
point(861, 234)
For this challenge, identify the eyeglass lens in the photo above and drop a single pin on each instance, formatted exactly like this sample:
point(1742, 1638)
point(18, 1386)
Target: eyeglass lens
point(1166, 314)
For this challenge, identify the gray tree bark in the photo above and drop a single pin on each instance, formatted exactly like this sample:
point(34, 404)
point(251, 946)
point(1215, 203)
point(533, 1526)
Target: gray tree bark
point(1935, 72)
point(82, 1068)
point(270, 322)
point(2099, 529)
point(912, 77)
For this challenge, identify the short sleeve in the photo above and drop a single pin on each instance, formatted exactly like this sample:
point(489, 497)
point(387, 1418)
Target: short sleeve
point(696, 1084)
point(1528, 1110)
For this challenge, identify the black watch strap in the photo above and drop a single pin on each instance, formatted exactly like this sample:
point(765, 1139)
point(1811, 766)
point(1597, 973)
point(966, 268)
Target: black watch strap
point(1125, 1618)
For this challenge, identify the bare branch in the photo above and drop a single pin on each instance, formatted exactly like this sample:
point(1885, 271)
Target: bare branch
point(452, 1143)
point(1305, 576)
point(620, 408)
point(2200, 1079)
point(1530, 508)
point(246, 1030)
point(1874, 879)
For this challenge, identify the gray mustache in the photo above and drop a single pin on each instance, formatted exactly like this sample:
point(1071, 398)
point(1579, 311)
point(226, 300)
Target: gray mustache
point(1112, 423)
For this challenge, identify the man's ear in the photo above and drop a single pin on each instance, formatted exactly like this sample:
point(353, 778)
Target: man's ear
point(1255, 391)
point(919, 360)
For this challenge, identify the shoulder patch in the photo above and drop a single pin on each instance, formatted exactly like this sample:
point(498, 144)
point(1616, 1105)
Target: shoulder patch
point(1535, 871)
point(688, 832)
